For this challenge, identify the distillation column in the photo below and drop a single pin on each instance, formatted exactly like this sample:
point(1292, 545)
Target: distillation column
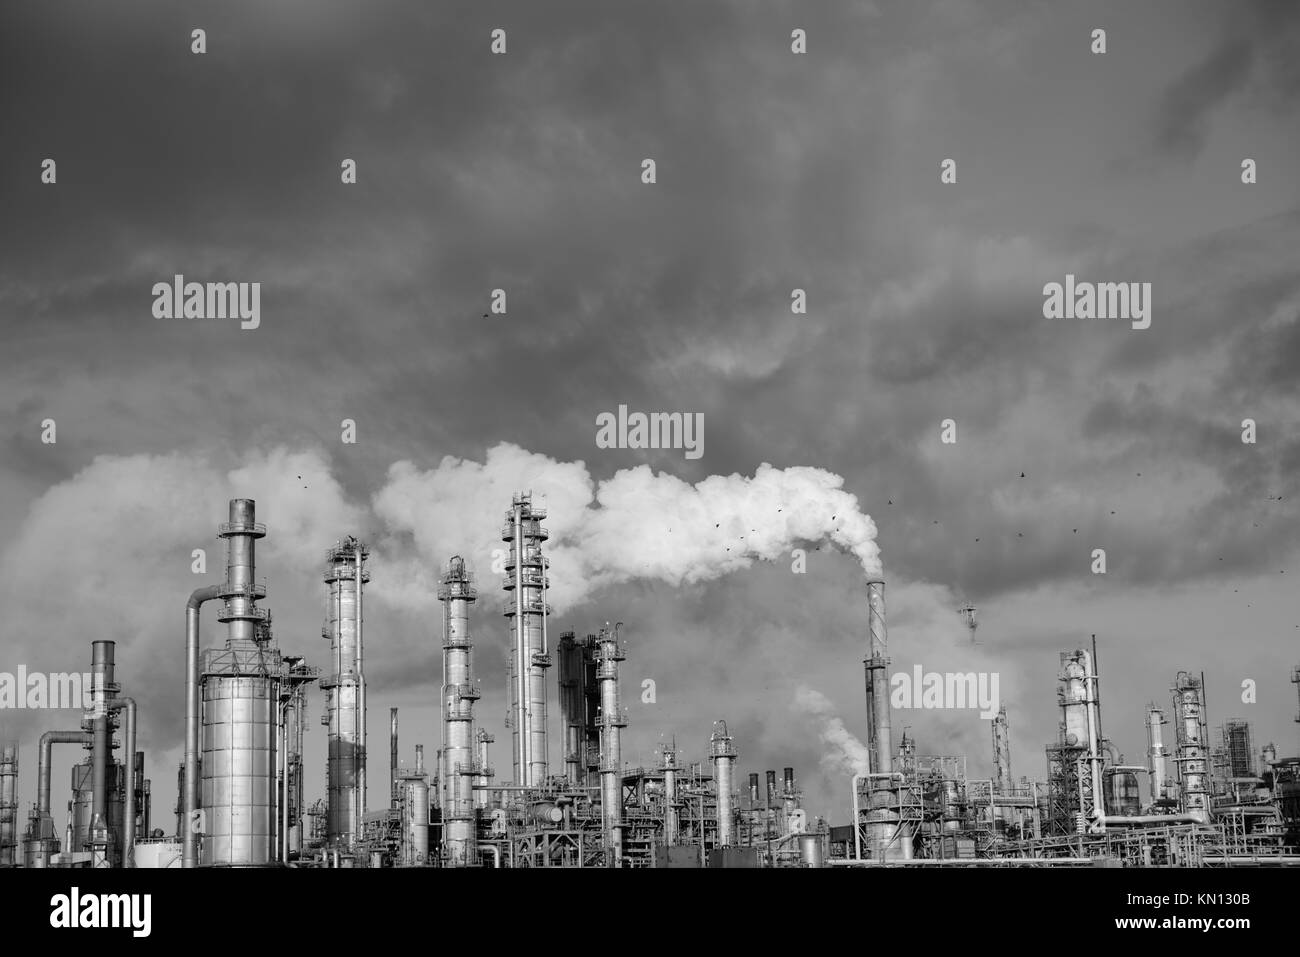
point(1157, 757)
point(672, 822)
point(484, 779)
point(1191, 758)
point(569, 655)
point(240, 695)
point(345, 693)
point(459, 768)
point(613, 719)
point(1001, 753)
point(723, 753)
point(8, 805)
point(527, 610)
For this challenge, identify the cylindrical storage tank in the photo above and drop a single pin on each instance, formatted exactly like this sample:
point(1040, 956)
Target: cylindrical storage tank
point(416, 828)
point(238, 744)
point(158, 854)
point(83, 800)
point(810, 850)
point(1122, 794)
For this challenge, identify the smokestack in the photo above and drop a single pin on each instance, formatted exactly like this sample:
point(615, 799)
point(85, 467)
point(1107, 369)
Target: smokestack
point(753, 789)
point(787, 780)
point(392, 757)
point(877, 680)
point(419, 759)
point(771, 788)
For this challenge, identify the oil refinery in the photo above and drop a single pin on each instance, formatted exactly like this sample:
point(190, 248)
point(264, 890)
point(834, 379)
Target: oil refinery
point(1195, 800)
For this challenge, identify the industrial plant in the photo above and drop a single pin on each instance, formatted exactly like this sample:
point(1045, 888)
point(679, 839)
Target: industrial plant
point(1196, 799)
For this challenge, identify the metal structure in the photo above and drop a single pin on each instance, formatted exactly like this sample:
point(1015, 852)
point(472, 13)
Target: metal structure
point(1189, 721)
point(1001, 752)
point(526, 608)
point(8, 804)
point(460, 767)
point(241, 801)
point(723, 753)
point(346, 575)
point(613, 719)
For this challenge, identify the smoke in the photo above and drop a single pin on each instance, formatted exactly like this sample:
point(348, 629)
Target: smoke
point(846, 754)
point(636, 525)
point(108, 554)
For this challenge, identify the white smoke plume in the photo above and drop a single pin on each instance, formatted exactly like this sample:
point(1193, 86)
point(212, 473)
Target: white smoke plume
point(845, 753)
point(638, 524)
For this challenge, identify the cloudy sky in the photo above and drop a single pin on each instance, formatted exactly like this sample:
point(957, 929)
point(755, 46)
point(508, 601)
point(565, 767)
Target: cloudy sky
point(775, 171)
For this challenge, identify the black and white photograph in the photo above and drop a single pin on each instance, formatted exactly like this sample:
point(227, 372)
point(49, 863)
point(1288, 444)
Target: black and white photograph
point(685, 436)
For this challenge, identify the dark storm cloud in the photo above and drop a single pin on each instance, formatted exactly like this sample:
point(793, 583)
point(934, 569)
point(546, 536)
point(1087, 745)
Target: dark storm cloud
point(1186, 107)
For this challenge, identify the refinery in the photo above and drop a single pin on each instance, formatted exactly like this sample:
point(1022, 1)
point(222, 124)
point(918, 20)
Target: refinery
point(1196, 799)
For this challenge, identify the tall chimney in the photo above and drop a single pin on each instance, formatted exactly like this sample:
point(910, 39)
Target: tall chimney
point(877, 681)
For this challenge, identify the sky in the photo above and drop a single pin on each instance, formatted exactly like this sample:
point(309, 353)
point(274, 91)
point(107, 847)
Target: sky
point(774, 171)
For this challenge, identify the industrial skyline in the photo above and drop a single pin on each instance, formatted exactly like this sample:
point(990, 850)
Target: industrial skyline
point(778, 172)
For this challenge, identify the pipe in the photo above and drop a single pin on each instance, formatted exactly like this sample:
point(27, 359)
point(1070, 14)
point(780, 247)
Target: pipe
point(101, 669)
point(190, 796)
point(496, 853)
point(132, 782)
point(361, 705)
point(392, 757)
point(48, 740)
point(521, 652)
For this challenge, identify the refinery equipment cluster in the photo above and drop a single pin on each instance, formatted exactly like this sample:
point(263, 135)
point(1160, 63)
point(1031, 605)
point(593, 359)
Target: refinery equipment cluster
point(241, 794)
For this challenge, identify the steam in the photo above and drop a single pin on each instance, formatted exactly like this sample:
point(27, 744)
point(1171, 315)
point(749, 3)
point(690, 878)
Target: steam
point(845, 753)
point(636, 525)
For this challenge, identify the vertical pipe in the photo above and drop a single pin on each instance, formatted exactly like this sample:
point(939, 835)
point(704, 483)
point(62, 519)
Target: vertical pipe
point(133, 779)
point(392, 757)
point(521, 664)
point(190, 792)
point(283, 757)
point(361, 702)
